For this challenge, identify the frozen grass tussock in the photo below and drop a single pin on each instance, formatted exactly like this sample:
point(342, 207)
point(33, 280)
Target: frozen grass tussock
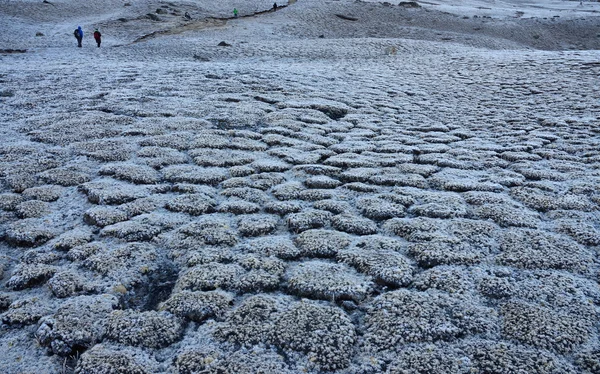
point(104, 359)
point(257, 224)
point(79, 323)
point(501, 357)
point(324, 333)
point(545, 328)
point(323, 280)
point(252, 321)
point(322, 243)
point(400, 317)
point(138, 174)
point(198, 306)
point(308, 219)
point(195, 174)
point(353, 224)
point(278, 246)
point(146, 329)
point(385, 266)
point(537, 249)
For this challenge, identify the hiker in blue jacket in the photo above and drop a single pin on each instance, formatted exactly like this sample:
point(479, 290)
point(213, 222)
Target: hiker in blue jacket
point(78, 35)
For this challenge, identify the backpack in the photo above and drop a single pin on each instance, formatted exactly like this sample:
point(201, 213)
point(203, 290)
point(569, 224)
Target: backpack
point(76, 33)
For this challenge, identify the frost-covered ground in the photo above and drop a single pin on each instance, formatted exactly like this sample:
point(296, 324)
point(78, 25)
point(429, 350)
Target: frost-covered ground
point(415, 191)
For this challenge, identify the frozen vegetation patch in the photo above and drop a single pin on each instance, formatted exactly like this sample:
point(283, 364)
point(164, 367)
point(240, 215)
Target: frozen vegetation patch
point(589, 360)
point(73, 238)
point(159, 157)
point(197, 305)
point(193, 204)
point(10, 201)
point(64, 129)
point(267, 165)
point(30, 275)
point(353, 224)
point(430, 359)
point(103, 359)
point(380, 208)
point(257, 224)
point(128, 265)
point(47, 193)
point(442, 208)
point(462, 180)
point(26, 311)
point(324, 333)
point(401, 317)
point(507, 215)
point(33, 209)
point(78, 324)
point(251, 322)
point(177, 141)
point(545, 328)
point(106, 192)
point(211, 276)
point(351, 160)
point(328, 281)
point(308, 219)
point(145, 329)
point(253, 195)
point(278, 246)
point(502, 357)
point(262, 273)
point(322, 181)
point(195, 174)
point(65, 176)
point(221, 157)
point(106, 150)
point(479, 198)
point(537, 249)
point(143, 227)
point(66, 284)
point(138, 174)
point(288, 191)
point(451, 279)
point(386, 266)
point(333, 206)
point(580, 230)
point(207, 230)
point(104, 216)
point(399, 179)
point(459, 241)
point(317, 194)
point(243, 361)
point(238, 207)
point(544, 201)
point(322, 243)
point(30, 232)
point(283, 208)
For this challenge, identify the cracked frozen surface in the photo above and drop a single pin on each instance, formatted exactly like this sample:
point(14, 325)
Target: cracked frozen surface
point(352, 203)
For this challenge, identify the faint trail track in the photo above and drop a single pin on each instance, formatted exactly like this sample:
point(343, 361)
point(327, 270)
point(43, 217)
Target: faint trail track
point(210, 22)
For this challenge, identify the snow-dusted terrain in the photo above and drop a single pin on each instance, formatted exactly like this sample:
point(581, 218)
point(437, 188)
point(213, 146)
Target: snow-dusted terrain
point(344, 186)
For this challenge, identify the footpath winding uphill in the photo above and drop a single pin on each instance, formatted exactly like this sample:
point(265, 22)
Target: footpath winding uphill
point(369, 201)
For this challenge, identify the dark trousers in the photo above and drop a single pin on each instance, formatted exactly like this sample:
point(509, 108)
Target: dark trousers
point(79, 42)
point(98, 41)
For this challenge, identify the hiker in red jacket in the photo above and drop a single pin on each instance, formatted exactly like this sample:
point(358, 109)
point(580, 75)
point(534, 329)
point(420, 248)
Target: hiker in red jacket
point(98, 37)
